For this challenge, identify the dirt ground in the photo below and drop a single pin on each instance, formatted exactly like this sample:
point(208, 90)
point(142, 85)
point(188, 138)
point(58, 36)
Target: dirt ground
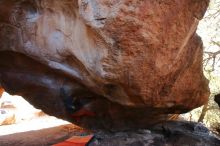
point(43, 137)
point(30, 126)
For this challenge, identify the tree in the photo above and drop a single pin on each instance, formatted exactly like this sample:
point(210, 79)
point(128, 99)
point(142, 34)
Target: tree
point(211, 39)
point(209, 30)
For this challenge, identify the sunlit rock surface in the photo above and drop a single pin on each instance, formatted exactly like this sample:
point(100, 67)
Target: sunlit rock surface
point(116, 64)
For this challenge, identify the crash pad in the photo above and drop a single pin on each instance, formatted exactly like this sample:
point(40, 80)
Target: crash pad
point(76, 141)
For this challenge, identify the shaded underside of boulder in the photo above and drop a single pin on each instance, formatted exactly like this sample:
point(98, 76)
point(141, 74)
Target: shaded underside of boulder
point(104, 64)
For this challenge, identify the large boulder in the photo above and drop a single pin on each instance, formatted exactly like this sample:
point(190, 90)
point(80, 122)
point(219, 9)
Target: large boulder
point(104, 64)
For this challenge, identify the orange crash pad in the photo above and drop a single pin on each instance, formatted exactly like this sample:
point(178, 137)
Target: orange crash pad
point(76, 141)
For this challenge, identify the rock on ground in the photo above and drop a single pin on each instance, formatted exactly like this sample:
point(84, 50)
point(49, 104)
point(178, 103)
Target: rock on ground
point(166, 134)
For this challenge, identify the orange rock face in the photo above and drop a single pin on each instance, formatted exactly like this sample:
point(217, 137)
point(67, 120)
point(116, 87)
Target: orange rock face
point(129, 62)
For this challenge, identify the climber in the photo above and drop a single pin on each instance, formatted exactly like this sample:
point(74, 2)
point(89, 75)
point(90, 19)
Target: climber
point(75, 106)
point(217, 99)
